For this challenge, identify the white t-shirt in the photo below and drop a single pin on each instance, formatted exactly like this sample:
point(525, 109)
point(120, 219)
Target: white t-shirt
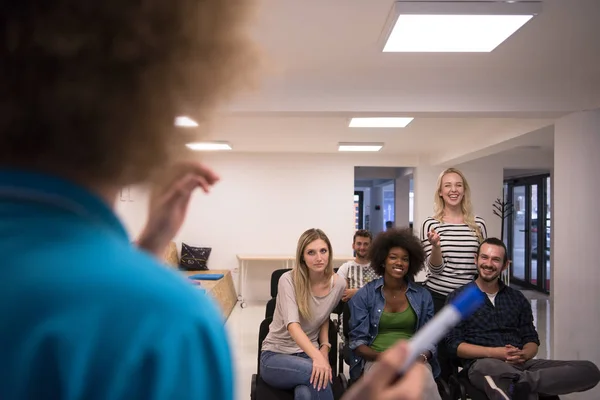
point(356, 275)
point(279, 339)
point(492, 297)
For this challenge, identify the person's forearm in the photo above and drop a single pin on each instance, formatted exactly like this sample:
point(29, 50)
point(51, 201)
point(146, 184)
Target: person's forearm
point(530, 349)
point(470, 351)
point(302, 340)
point(324, 333)
point(151, 244)
point(367, 353)
point(435, 259)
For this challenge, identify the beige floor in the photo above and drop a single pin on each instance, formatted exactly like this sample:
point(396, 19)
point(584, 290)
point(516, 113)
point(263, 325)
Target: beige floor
point(243, 330)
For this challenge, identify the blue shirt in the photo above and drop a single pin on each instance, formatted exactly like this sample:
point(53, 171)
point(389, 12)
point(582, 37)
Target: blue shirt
point(510, 321)
point(86, 315)
point(366, 307)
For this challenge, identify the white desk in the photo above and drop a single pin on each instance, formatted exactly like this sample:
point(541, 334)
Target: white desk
point(286, 261)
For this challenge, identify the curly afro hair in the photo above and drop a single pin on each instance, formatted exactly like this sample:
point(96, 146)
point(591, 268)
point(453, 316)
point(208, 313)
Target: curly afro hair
point(397, 237)
point(92, 88)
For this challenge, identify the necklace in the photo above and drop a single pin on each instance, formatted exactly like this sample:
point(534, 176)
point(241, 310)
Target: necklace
point(402, 291)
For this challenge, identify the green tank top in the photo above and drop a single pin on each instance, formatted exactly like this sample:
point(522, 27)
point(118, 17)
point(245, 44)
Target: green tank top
point(395, 326)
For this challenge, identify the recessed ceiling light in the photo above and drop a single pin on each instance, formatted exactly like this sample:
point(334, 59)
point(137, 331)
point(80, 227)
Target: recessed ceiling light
point(380, 122)
point(209, 146)
point(185, 122)
point(359, 146)
point(455, 27)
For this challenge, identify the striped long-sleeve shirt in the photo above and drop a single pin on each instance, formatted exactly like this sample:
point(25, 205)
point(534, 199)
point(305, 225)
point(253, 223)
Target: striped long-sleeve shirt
point(459, 245)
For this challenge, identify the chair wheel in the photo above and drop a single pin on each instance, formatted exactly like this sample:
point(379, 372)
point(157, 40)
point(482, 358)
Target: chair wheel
point(243, 305)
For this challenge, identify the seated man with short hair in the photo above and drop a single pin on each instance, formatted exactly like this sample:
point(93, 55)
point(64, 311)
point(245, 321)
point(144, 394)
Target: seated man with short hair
point(358, 272)
point(498, 343)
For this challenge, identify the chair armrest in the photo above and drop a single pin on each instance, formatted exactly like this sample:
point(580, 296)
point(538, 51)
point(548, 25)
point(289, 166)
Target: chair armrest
point(253, 387)
point(341, 358)
point(444, 389)
point(340, 385)
point(457, 389)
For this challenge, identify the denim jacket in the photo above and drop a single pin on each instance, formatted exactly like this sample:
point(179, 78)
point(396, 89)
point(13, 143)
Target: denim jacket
point(366, 307)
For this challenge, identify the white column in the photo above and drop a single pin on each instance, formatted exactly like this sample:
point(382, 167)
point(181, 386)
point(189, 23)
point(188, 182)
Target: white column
point(486, 179)
point(402, 201)
point(575, 226)
point(424, 181)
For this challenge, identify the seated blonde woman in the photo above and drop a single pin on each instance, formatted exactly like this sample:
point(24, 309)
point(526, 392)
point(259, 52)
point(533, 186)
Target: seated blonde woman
point(295, 352)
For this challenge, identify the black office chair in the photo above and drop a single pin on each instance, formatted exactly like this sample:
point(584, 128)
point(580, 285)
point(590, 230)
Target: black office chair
point(270, 308)
point(259, 388)
point(344, 346)
point(275, 275)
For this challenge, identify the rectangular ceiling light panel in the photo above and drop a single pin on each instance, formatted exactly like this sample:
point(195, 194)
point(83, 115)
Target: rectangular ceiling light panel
point(380, 122)
point(209, 146)
point(185, 122)
point(360, 146)
point(455, 27)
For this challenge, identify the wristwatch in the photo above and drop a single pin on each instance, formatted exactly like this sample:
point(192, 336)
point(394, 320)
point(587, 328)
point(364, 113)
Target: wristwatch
point(425, 359)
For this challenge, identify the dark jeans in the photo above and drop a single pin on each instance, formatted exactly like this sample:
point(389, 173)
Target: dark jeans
point(550, 377)
point(292, 371)
point(439, 301)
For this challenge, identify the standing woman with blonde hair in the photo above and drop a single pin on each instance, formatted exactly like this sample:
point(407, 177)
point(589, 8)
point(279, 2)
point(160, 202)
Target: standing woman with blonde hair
point(451, 237)
point(294, 354)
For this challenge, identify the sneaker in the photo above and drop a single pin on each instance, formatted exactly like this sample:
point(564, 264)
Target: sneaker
point(493, 391)
point(511, 390)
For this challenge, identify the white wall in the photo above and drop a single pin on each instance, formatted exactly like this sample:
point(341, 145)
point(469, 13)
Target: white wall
point(486, 180)
point(262, 205)
point(132, 207)
point(576, 218)
point(424, 180)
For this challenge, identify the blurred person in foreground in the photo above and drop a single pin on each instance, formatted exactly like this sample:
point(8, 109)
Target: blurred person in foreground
point(88, 95)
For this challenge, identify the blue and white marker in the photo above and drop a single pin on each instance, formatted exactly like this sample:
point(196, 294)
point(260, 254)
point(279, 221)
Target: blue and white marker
point(465, 304)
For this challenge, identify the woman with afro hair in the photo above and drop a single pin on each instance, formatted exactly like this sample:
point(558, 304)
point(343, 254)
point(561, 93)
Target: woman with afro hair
point(392, 307)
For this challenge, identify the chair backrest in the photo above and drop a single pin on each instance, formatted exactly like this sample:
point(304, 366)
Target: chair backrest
point(270, 309)
point(263, 331)
point(333, 354)
point(333, 340)
point(346, 321)
point(275, 279)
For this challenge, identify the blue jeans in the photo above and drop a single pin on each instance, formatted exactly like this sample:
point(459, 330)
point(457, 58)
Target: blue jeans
point(291, 371)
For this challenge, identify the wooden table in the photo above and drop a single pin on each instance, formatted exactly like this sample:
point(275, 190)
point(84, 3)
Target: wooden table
point(287, 261)
point(222, 290)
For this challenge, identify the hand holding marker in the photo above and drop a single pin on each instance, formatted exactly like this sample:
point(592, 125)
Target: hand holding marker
point(465, 304)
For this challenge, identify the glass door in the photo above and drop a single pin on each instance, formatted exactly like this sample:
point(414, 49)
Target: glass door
point(528, 235)
point(358, 209)
point(519, 233)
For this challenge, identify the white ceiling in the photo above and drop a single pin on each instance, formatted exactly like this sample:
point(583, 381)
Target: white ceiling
point(324, 65)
